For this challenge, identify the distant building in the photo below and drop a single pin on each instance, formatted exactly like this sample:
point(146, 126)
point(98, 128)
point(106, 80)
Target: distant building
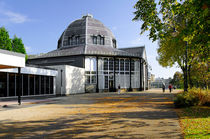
point(152, 77)
point(158, 82)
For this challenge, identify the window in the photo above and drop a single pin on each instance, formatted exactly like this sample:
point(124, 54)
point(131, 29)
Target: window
point(93, 79)
point(47, 84)
point(71, 40)
point(31, 79)
point(132, 65)
point(106, 82)
point(111, 64)
point(65, 43)
point(117, 64)
point(98, 40)
point(114, 43)
point(121, 64)
point(25, 84)
point(90, 70)
point(126, 65)
point(37, 84)
point(94, 40)
point(87, 79)
point(42, 85)
point(105, 64)
point(51, 85)
point(101, 40)
point(77, 40)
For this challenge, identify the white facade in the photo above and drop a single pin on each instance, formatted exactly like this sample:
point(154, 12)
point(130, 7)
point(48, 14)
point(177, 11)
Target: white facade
point(11, 59)
point(70, 80)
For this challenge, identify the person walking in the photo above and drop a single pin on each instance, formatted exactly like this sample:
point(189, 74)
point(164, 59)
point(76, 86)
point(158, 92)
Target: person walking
point(119, 89)
point(163, 87)
point(170, 87)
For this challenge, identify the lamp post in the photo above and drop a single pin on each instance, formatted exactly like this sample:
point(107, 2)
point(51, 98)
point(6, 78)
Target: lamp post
point(20, 86)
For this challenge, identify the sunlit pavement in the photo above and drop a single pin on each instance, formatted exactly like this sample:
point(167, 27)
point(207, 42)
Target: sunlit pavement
point(147, 114)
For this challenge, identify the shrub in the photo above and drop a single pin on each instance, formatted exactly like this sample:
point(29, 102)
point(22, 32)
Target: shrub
point(192, 98)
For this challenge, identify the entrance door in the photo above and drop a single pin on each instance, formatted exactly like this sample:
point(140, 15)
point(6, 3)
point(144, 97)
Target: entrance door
point(111, 85)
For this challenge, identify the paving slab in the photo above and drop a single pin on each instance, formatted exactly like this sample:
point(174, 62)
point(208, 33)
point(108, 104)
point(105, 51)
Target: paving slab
point(130, 115)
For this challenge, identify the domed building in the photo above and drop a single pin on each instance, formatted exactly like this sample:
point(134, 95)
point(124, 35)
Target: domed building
point(88, 60)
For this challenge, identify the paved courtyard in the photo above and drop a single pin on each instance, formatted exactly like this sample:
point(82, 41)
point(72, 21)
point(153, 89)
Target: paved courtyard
point(138, 115)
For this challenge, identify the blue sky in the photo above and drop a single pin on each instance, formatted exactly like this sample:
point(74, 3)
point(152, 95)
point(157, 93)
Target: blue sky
point(40, 23)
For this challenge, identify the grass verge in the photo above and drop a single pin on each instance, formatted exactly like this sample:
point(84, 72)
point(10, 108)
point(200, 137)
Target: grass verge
point(195, 122)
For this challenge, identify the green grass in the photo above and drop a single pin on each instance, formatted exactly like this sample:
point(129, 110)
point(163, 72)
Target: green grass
point(195, 122)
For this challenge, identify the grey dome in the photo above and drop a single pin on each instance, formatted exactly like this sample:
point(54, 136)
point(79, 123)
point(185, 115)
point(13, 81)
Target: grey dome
point(81, 32)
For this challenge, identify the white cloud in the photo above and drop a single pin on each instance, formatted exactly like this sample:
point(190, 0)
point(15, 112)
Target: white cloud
point(8, 16)
point(16, 17)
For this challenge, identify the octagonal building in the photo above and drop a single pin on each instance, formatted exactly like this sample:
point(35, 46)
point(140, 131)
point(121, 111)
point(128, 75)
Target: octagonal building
point(88, 60)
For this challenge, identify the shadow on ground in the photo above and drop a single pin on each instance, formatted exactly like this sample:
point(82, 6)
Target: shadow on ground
point(107, 116)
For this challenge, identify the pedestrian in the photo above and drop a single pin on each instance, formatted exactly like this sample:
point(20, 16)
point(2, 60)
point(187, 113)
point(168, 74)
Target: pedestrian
point(170, 87)
point(163, 87)
point(119, 89)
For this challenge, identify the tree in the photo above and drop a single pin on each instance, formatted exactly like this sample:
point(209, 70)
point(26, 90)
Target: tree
point(177, 79)
point(17, 45)
point(188, 18)
point(5, 41)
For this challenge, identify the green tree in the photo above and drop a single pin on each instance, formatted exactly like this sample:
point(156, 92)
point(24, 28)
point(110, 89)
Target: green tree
point(188, 18)
point(177, 80)
point(5, 41)
point(17, 45)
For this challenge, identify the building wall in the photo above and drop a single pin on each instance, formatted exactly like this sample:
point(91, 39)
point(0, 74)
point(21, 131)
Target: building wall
point(70, 80)
point(33, 82)
point(75, 80)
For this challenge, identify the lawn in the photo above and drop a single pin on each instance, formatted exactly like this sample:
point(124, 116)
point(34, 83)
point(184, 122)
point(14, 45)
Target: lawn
point(195, 122)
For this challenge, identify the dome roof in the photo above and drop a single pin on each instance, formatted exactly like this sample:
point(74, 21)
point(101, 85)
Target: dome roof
point(82, 32)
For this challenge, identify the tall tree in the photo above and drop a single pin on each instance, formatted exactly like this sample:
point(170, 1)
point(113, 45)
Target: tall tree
point(17, 45)
point(5, 41)
point(188, 18)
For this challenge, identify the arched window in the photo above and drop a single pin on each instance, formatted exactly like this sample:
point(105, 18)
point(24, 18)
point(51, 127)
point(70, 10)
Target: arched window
point(77, 40)
point(114, 43)
point(94, 39)
point(69, 40)
point(59, 43)
point(101, 40)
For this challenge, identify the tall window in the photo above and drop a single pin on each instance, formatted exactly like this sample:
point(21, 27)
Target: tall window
point(90, 70)
point(94, 40)
point(101, 40)
point(105, 63)
point(121, 66)
point(117, 64)
point(77, 40)
point(111, 64)
point(114, 43)
point(132, 65)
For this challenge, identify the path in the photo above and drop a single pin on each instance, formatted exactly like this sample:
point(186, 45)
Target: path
point(105, 115)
